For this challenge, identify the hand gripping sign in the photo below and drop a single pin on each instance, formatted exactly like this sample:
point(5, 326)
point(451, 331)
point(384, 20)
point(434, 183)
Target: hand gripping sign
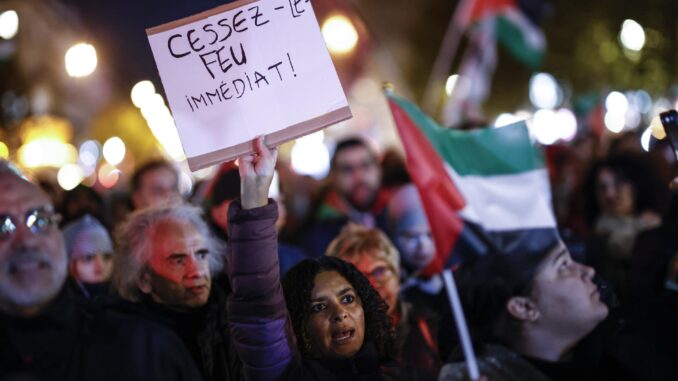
point(246, 69)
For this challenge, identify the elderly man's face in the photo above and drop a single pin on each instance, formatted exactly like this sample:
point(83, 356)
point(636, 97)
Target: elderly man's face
point(33, 261)
point(178, 274)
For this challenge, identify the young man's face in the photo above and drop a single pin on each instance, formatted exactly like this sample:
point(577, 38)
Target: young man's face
point(157, 187)
point(178, 274)
point(356, 177)
point(565, 295)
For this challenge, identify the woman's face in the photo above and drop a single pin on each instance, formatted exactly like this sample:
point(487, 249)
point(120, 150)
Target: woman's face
point(567, 299)
point(381, 275)
point(615, 196)
point(336, 323)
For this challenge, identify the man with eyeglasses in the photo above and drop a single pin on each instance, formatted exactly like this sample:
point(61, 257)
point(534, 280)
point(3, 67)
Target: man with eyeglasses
point(353, 195)
point(45, 330)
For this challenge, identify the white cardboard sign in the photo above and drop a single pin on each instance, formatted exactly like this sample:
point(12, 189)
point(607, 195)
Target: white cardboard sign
point(246, 69)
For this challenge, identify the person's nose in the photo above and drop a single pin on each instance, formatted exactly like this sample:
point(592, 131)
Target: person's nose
point(98, 263)
point(194, 269)
point(23, 237)
point(339, 313)
point(588, 272)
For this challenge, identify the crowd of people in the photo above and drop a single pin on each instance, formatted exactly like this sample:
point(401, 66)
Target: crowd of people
point(228, 284)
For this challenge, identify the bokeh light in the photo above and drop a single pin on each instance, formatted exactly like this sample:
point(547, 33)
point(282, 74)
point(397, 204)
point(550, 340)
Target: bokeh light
point(657, 128)
point(544, 91)
point(47, 152)
point(89, 153)
point(544, 125)
point(566, 124)
point(340, 35)
point(616, 103)
point(142, 92)
point(69, 176)
point(4, 151)
point(645, 139)
point(632, 35)
point(81, 60)
point(114, 150)
point(310, 156)
point(614, 122)
point(108, 175)
point(505, 119)
point(451, 83)
point(9, 24)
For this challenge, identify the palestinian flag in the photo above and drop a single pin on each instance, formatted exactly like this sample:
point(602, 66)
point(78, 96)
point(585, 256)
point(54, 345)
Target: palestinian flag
point(479, 188)
point(514, 30)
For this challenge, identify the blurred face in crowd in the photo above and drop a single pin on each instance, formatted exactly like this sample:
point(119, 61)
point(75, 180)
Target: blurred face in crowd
point(92, 267)
point(414, 240)
point(178, 274)
point(566, 301)
point(33, 261)
point(381, 275)
point(336, 325)
point(357, 176)
point(615, 196)
point(156, 187)
point(91, 256)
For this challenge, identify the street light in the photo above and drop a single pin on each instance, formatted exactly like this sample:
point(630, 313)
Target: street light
point(142, 92)
point(340, 35)
point(9, 24)
point(632, 35)
point(81, 60)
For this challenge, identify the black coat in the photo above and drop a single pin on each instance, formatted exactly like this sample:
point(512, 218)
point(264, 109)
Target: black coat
point(205, 334)
point(364, 366)
point(73, 340)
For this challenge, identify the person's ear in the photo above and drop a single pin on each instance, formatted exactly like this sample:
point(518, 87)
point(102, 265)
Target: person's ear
point(144, 282)
point(523, 309)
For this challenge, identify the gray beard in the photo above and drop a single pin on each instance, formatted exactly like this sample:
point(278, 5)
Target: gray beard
point(14, 294)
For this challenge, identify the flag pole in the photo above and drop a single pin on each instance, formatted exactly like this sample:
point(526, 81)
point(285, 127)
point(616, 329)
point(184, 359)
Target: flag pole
point(448, 49)
point(462, 328)
point(453, 296)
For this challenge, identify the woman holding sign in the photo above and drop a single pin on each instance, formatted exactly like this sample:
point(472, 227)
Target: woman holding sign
point(336, 327)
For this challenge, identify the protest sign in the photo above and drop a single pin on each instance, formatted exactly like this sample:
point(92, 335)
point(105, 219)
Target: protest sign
point(246, 69)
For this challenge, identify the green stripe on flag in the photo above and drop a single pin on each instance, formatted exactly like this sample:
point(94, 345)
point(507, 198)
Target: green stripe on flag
point(482, 152)
point(523, 40)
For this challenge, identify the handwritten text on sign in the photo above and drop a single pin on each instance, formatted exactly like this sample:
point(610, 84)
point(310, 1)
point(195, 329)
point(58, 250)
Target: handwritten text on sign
point(246, 69)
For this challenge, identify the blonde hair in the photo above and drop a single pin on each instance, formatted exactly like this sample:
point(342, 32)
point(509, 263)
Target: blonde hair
point(355, 240)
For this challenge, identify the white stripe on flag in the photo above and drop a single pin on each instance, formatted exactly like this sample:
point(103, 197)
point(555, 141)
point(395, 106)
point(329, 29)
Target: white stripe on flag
point(507, 202)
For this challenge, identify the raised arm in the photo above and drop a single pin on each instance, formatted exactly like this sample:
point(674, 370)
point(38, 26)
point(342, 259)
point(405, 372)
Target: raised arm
point(258, 317)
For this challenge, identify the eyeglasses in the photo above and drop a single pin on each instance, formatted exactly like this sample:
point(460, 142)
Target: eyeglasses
point(379, 274)
point(36, 220)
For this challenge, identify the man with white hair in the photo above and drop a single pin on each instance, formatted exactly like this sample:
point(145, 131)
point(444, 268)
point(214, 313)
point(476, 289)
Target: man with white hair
point(164, 266)
point(45, 331)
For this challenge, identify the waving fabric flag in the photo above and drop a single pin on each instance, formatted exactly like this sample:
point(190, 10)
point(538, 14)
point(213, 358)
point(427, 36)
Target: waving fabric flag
point(514, 30)
point(487, 22)
point(478, 187)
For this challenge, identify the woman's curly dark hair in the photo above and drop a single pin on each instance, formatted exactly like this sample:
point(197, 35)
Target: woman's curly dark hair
point(298, 285)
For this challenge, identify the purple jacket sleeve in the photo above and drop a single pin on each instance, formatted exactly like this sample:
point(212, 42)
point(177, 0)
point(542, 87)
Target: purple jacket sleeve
point(258, 317)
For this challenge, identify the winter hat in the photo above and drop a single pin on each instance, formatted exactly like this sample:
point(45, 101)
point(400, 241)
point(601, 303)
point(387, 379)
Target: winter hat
point(86, 236)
